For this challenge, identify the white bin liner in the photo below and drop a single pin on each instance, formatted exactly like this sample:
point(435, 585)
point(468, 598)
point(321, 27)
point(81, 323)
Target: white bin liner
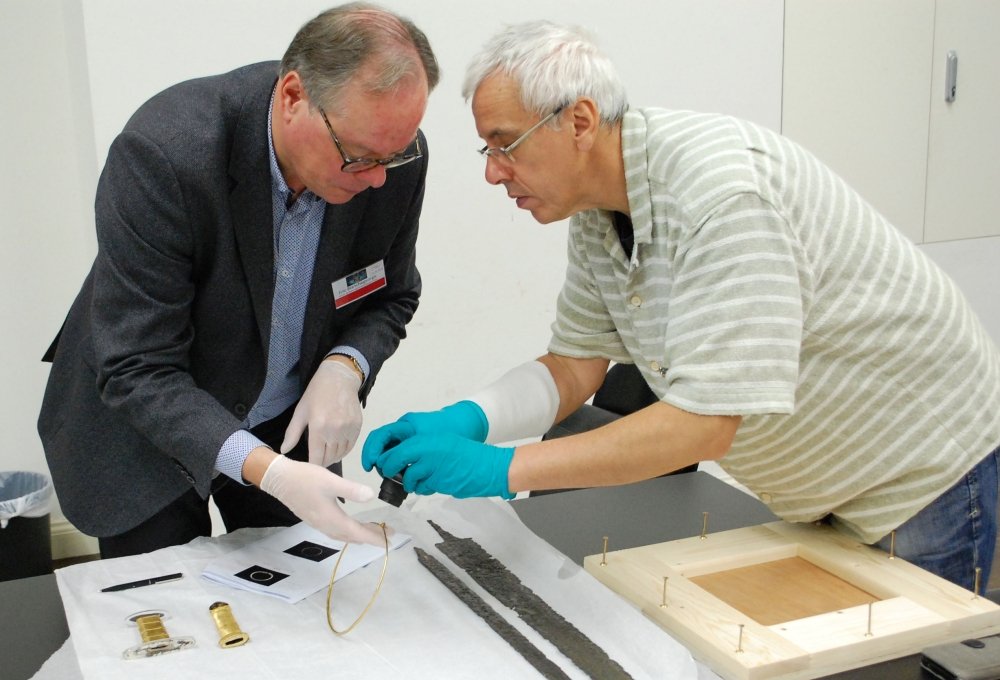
point(23, 494)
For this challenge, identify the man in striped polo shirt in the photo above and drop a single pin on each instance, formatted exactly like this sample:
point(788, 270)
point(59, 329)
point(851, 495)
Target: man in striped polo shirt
point(787, 329)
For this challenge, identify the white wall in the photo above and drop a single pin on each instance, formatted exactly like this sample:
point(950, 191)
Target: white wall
point(47, 180)
point(491, 274)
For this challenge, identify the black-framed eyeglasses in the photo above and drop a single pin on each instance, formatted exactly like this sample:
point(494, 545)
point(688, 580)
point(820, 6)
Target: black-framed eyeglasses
point(362, 164)
point(495, 151)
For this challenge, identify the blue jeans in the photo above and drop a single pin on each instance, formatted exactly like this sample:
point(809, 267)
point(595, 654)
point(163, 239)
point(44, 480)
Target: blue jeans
point(957, 532)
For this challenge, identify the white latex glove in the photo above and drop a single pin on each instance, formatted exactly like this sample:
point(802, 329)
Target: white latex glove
point(331, 409)
point(311, 492)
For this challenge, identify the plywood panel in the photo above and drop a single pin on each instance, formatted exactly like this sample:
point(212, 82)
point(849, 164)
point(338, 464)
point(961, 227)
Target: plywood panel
point(783, 590)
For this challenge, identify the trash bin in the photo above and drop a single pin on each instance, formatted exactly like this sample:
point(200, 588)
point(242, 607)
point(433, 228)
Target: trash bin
point(25, 535)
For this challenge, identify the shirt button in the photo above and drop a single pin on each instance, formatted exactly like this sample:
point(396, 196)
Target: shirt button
point(636, 301)
point(765, 497)
point(655, 365)
point(240, 409)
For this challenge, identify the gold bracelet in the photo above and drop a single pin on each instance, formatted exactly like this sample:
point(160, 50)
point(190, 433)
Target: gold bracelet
point(354, 362)
point(378, 586)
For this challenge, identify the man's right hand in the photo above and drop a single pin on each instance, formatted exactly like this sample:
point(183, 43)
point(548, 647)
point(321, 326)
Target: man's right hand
point(312, 491)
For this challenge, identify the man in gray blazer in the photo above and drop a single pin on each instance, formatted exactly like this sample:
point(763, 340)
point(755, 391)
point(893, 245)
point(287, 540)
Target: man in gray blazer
point(255, 268)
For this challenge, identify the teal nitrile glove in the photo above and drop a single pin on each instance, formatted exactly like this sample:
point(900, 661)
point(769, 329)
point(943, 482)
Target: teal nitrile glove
point(449, 464)
point(465, 419)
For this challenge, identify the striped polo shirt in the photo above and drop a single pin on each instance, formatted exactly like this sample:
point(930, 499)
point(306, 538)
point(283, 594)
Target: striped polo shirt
point(761, 285)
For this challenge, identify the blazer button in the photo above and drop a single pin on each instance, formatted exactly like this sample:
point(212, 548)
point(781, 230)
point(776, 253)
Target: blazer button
point(184, 471)
point(240, 409)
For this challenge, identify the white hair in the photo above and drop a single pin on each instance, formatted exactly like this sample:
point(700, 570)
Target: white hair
point(553, 66)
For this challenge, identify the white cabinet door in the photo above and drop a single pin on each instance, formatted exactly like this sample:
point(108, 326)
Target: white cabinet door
point(856, 78)
point(963, 178)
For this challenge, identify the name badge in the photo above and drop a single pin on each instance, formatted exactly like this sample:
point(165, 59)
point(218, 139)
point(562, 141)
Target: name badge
point(358, 284)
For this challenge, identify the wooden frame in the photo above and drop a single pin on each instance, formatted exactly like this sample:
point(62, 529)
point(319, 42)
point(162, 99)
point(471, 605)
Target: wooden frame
point(909, 608)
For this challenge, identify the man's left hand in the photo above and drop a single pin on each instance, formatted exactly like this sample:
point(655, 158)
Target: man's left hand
point(331, 409)
point(446, 463)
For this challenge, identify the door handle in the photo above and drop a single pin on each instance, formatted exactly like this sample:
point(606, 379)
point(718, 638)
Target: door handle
point(950, 76)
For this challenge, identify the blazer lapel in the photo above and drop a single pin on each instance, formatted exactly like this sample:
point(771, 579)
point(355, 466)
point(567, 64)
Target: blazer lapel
point(250, 204)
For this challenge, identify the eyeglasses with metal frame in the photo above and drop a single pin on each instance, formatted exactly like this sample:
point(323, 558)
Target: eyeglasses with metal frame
point(495, 151)
point(362, 164)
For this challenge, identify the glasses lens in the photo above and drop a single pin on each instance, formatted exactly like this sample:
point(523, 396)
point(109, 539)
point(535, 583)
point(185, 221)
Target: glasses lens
point(402, 160)
point(363, 164)
point(359, 165)
point(497, 153)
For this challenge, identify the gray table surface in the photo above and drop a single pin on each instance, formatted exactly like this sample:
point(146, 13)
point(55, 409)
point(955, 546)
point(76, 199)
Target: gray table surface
point(33, 624)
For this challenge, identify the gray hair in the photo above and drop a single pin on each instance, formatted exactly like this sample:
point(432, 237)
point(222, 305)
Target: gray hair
point(330, 50)
point(553, 66)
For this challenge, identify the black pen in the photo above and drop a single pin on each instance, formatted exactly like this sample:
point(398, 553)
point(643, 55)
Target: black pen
point(143, 582)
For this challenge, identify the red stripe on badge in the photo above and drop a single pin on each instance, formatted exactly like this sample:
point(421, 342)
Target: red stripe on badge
point(359, 293)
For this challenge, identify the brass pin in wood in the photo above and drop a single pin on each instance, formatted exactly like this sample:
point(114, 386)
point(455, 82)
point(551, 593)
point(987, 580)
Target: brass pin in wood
point(154, 636)
point(892, 545)
point(604, 553)
point(975, 587)
point(230, 634)
point(869, 633)
point(664, 602)
point(704, 525)
point(739, 643)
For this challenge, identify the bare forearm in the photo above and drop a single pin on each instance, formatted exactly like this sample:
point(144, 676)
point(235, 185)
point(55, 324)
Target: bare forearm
point(576, 380)
point(256, 464)
point(651, 442)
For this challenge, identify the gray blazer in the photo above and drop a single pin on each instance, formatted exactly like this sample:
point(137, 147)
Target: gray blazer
point(164, 350)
